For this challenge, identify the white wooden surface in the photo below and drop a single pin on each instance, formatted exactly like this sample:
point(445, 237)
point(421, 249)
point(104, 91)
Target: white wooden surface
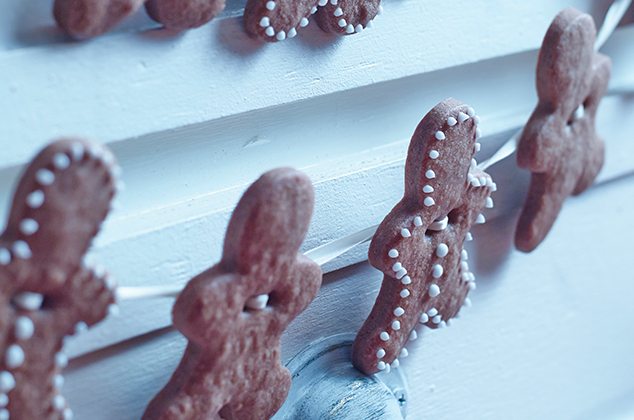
point(195, 118)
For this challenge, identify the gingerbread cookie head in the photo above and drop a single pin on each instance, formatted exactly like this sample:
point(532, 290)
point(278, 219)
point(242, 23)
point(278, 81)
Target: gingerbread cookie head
point(183, 14)
point(88, 18)
point(45, 290)
point(419, 245)
point(276, 20)
point(234, 314)
point(559, 144)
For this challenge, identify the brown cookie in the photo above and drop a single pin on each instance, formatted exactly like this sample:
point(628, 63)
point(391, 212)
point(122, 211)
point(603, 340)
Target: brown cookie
point(419, 245)
point(84, 19)
point(45, 290)
point(184, 14)
point(276, 20)
point(234, 313)
point(559, 144)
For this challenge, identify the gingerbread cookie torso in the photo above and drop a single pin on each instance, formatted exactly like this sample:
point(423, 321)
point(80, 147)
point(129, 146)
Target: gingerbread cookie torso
point(559, 144)
point(45, 290)
point(419, 245)
point(234, 314)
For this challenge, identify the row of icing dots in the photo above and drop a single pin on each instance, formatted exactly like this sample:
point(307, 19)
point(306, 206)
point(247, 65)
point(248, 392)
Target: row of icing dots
point(281, 35)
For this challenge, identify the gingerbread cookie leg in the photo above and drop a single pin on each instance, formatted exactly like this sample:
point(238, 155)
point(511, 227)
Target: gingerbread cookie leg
point(184, 14)
point(57, 209)
point(419, 245)
point(345, 17)
point(559, 144)
point(88, 18)
point(234, 313)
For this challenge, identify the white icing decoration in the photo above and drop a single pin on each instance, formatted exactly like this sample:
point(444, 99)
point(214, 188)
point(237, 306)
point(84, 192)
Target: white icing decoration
point(7, 381)
point(480, 219)
point(440, 135)
point(399, 311)
point(434, 154)
point(442, 250)
point(436, 319)
point(61, 359)
point(29, 301)
point(265, 22)
point(489, 204)
point(45, 177)
point(257, 302)
point(270, 5)
point(405, 233)
point(338, 12)
point(380, 354)
point(404, 293)
point(22, 250)
point(384, 336)
point(429, 201)
point(5, 256)
point(404, 353)
point(424, 318)
point(437, 271)
point(397, 266)
point(270, 31)
point(434, 290)
point(29, 226)
point(14, 356)
point(381, 365)
point(432, 312)
point(393, 253)
point(292, 33)
point(396, 325)
point(462, 117)
point(24, 328)
point(304, 22)
point(35, 199)
point(406, 280)
point(428, 189)
point(61, 161)
point(451, 121)
point(342, 23)
point(413, 335)
point(430, 174)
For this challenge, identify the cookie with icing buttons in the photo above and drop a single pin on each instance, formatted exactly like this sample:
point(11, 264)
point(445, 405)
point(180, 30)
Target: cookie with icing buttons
point(559, 144)
point(276, 20)
point(419, 245)
point(46, 292)
point(234, 314)
point(84, 19)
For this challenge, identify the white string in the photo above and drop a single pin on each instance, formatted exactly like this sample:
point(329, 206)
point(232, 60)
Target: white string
point(331, 250)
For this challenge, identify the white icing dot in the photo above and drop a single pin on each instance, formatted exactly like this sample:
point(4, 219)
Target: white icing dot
point(440, 135)
point(404, 293)
point(61, 161)
point(35, 199)
point(480, 219)
point(4, 400)
point(77, 151)
point(406, 280)
point(304, 22)
point(405, 233)
point(434, 290)
point(471, 112)
point(451, 121)
point(29, 301)
point(434, 154)
point(396, 325)
point(442, 324)
point(464, 255)
point(393, 253)
point(494, 187)
point(350, 29)
point(21, 250)
point(442, 250)
point(116, 171)
point(469, 237)
point(58, 381)
point(95, 151)
point(67, 414)
point(61, 359)
point(380, 354)
point(478, 147)
point(292, 33)
point(81, 327)
point(5, 256)
point(483, 180)
point(4, 414)
point(45, 177)
point(24, 328)
point(29, 226)
point(489, 204)
point(432, 312)
point(428, 189)
point(265, 22)
point(465, 277)
point(437, 271)
point(322, 2)
point(338, 11)
point(467, 303)
point(475, 182)
point(270, 5)
point(333, 2)
point(358, 28)
point(464, 266)
point(472, 285)
point(401, 273)
point(59, 402)
point(430, 174)
point(462, 117)
point(397, 266)
point(404, 353)
point(429, 201)
point(413, 335)
point(478, 133)
point(424, 318)
point(270, 31)
point(381, 365)
point(476, 119)
point(384, 336)
point(474, 164)
point(342, 23)
point(439, 224)
point(418, 221)
point(436, 319)
point(399, 311)
point(281, 36)
point(7, 381)
point(14, 356)
point(380, 12)
point(369, 25)
point(396, 363)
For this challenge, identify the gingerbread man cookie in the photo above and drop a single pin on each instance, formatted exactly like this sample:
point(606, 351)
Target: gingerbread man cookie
point(559, 144)
point(276, 20)
point(234, 313)
point(88, 18)
point(419, 245)
point(45, 290)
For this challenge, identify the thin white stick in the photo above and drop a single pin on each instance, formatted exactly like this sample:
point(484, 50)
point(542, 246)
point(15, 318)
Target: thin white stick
point(612, 19)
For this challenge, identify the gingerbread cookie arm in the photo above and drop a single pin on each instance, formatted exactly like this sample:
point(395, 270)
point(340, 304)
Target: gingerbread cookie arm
point(183, 14)
point(345, 17)
point(58, 207)
point(88, 18)
point(276, 20)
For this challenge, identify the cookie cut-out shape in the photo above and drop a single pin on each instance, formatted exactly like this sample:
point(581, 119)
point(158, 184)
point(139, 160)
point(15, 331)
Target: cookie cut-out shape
point(46, 291)
point(419, 245)
point(84, 19)
point(276, 20)
point(559, 144)
point(231, 367)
